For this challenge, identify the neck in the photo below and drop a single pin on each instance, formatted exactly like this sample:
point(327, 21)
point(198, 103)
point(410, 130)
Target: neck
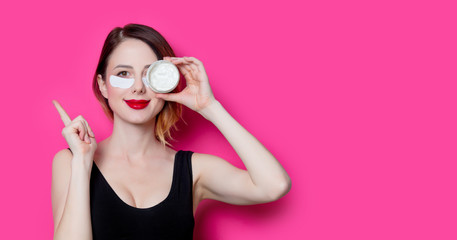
point(133, 141)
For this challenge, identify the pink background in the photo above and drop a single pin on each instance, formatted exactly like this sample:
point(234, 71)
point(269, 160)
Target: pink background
point(357, 100)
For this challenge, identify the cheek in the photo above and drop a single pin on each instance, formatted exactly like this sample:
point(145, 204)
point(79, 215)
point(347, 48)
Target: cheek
point(116, 93)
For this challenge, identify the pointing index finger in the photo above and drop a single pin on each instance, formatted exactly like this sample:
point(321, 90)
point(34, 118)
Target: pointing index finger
point(63, 115)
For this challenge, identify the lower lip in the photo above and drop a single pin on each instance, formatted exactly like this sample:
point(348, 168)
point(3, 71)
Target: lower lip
point(137, 105)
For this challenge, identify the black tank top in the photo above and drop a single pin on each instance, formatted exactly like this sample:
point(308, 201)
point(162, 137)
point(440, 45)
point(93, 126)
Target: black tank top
point(172, 218)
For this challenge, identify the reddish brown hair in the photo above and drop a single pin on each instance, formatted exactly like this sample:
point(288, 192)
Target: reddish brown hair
point(171, 112)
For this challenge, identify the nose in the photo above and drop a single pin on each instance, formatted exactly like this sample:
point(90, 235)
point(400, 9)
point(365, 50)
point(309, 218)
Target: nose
point(138, 85)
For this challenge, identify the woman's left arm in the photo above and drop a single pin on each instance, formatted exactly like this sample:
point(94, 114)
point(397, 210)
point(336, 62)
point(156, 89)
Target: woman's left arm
point(265, 180)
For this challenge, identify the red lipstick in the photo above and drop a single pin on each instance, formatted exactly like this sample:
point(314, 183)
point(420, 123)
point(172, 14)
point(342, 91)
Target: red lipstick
point(137, 104)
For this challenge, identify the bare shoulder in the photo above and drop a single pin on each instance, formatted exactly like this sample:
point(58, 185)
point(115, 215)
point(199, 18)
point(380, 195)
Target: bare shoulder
point(62, 160)
point(204, 161)
point(196, 166)
point(61, 166)
point(63, 154)
point(61, 171)
point(201, 162)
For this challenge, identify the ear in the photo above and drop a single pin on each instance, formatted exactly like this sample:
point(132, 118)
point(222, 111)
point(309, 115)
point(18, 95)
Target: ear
point(102, 86)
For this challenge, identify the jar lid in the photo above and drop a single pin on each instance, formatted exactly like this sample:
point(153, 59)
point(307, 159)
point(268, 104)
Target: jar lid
point(162, 76)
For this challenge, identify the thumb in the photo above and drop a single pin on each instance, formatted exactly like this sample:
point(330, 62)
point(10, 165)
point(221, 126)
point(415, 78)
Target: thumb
point(174, 97)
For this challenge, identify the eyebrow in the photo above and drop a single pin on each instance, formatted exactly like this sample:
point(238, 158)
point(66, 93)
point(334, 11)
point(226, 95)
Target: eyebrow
point(128, 66)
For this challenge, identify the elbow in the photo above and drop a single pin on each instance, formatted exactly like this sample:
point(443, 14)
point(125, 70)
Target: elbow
point(282, 188)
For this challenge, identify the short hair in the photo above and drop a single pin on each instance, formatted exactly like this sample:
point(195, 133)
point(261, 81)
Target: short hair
point(172, 111)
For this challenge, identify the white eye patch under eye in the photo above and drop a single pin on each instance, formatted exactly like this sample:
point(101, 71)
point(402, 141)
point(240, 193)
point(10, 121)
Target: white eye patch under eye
point(119, 82)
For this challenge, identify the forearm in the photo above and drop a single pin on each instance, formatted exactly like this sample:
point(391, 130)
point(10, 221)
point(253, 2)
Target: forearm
point(76, 222)
point(264, 169)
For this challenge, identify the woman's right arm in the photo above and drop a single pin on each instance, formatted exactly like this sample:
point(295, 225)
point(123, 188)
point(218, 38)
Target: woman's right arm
point(71, 197)
point(71, 179)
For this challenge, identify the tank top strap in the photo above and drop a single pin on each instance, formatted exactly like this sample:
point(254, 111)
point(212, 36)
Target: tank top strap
point(182, 175)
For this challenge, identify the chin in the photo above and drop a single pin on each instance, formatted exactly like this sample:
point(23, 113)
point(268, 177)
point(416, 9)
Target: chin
point(137, 116)
point(140, 119)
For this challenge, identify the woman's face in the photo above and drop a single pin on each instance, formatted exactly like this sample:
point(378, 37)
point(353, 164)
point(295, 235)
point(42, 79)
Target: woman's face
point(127, 65)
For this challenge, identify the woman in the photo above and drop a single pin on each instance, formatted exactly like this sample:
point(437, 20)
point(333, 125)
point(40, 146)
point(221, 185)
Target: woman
point(132, 185)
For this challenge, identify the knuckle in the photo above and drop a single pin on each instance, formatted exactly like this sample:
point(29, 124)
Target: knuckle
point(77, 124)
point(65, 131)
point(81, 123)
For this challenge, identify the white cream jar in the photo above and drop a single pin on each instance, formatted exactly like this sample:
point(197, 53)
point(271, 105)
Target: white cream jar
point(162, 76)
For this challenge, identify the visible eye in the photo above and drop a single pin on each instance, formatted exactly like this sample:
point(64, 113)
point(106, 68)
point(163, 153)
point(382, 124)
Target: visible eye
point(123, 74)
